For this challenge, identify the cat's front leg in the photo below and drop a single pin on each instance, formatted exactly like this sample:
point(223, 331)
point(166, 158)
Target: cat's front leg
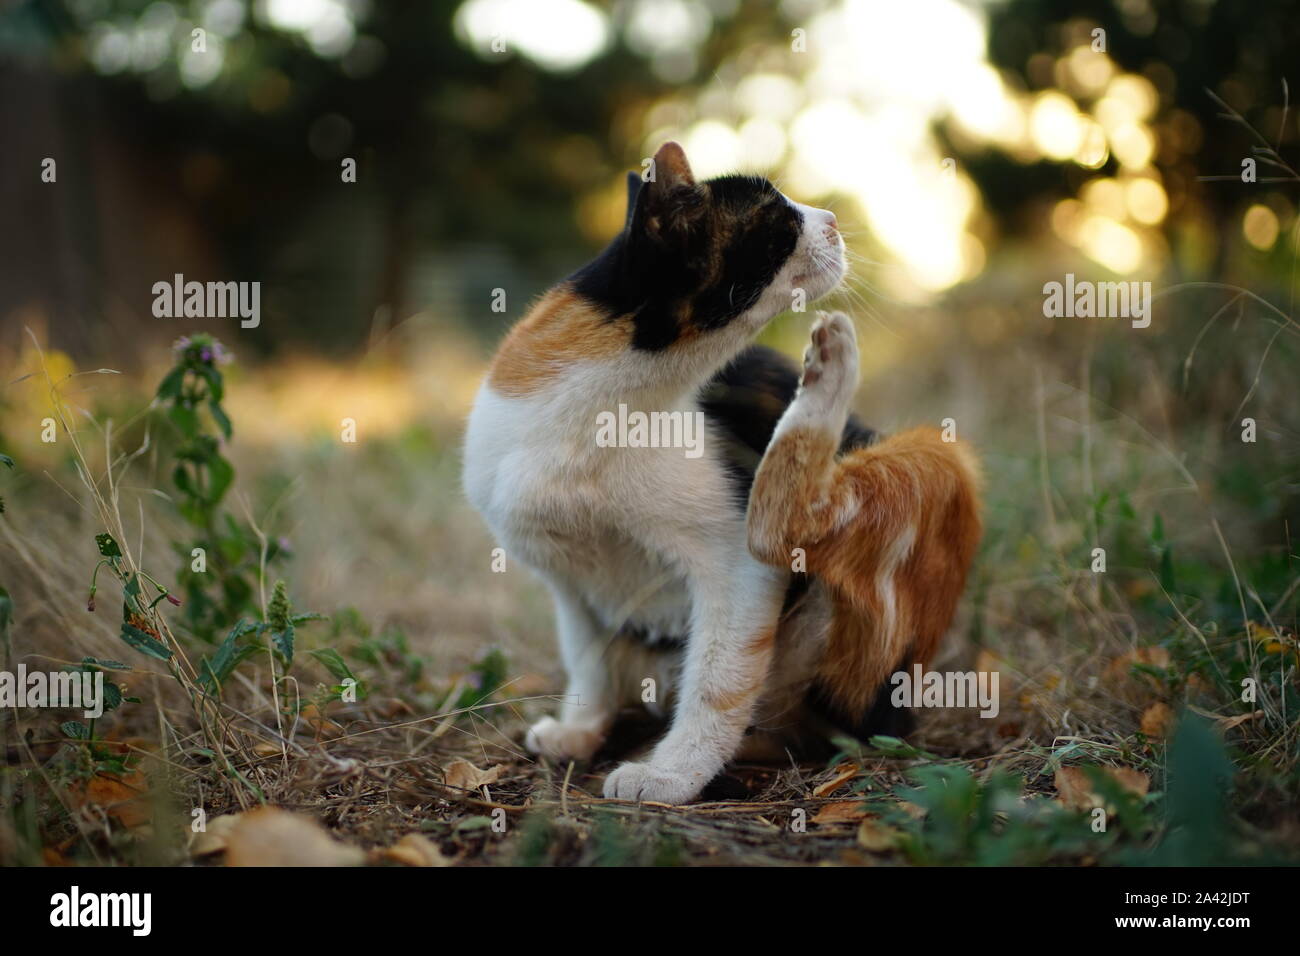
point(736, 604)
point(589, 707)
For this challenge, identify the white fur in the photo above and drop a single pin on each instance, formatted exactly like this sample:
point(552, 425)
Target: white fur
point(644, 535)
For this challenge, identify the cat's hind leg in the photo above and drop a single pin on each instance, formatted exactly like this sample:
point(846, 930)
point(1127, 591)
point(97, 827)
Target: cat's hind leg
point(890, 528)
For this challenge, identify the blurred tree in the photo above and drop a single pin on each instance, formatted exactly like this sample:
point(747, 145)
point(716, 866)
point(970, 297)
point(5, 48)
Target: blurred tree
point(453, 147)
point(1191, 51)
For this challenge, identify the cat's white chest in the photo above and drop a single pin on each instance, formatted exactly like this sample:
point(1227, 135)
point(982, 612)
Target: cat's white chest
point(606, 521)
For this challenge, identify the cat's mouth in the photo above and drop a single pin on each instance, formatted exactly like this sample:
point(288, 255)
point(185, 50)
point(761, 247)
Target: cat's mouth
point(823, 273)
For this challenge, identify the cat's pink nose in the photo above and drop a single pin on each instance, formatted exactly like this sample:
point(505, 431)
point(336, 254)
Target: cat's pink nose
point(834, 223)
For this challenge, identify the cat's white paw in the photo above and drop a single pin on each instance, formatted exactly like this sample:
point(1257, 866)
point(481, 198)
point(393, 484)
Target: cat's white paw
point(647, 781)
point(564, 741)
point(830, 363)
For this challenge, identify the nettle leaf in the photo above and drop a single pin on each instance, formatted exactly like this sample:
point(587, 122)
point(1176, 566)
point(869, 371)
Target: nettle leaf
point(144, 643)
point(1167, 569)
point(170, 387)
point(220, 474)
point(184, 418)
point(283, 641)
point(107, 545)
point(229, 654)
point(216, 388)
point(75, 729)
point(896, 747)
point(113, 765)
point(218, 670)
point(112, 696)
point(181, 479)
point(93, 662)
point(220, 417)
point(334, 663)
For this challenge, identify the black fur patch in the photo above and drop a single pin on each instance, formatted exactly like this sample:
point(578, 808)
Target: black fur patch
point(690, 259)
point(882, 717)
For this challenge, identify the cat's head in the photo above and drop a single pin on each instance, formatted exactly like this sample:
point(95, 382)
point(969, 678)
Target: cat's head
point(696, 258)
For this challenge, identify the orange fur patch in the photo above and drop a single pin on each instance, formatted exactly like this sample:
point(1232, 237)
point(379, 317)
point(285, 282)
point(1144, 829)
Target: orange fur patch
point(852, 516)
point(725, 701)
point(560, 330)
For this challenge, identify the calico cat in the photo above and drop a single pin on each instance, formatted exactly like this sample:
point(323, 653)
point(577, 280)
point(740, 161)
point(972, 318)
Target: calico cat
point(689, 570)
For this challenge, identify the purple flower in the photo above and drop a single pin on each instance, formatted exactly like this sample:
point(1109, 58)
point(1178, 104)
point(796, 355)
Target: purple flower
point(173, 599)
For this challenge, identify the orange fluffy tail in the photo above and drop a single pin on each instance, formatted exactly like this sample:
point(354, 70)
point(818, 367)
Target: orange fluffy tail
point(891, 529)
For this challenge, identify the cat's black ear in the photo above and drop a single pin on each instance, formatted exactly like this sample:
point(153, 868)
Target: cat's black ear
point(633, 188)
point(670, 177)
point(668, 198)
point(670, 170)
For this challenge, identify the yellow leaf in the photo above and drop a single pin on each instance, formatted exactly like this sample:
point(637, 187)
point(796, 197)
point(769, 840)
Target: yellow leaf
point(269, 836)
point(323, 725)
point(414, 849)
point(125, 799)
point(1154, 656)
point(876, 836)
point(1074, 789)
point(215, 837)
point(1227, 723)
point(1157, 720)
point(841, 811)
point(845, 774)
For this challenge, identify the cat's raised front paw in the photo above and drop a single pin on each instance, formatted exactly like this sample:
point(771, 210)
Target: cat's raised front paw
point(564, 741)
point(830, 363)
point(648, 782)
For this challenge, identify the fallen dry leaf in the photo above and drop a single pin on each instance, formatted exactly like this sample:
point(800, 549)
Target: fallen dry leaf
point(414, 849)
point(125, 799)
point(1074, 789)
point(1121, 667)
point(463, 775)
point(1158, 720)
point(1134, 781)
point(215, 837)
point(269, 836)
point(846, 773)
point(841, 811)
point(52, 857)
point(1227, 723)
point(876, 836)
point(913, 810)
point(320, 723)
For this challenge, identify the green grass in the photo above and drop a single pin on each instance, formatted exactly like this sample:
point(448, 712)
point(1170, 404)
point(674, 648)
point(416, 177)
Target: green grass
point(1090, 439)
